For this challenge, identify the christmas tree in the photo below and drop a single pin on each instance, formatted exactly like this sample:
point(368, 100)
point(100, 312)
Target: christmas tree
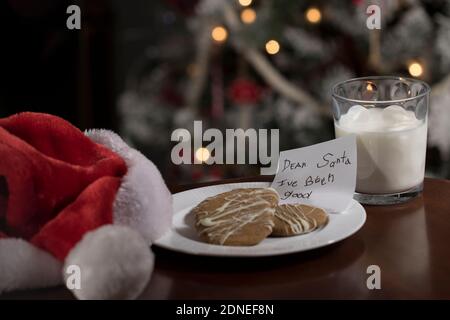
point(272, 63)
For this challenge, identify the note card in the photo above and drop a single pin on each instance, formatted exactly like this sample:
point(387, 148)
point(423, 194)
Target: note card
point(322, 175)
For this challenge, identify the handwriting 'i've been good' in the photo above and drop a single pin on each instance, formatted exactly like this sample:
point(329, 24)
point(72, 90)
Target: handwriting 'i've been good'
point(327, 160)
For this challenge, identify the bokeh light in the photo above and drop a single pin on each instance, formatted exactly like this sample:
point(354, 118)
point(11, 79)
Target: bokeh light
point(219, 34)
point(248, 16)
point(202, 154)
point(415, 69)
point(245, 3)
point(272, 47)
point(313, 15)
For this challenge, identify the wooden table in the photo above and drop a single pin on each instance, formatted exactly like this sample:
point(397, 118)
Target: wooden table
point(409, 242)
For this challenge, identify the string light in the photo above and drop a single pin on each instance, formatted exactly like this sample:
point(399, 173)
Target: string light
point(415, 69)
point(202, 154)
point(245, 3)
point(219, 34)
point(248, 16)
point(272, 47)
point(313, 15)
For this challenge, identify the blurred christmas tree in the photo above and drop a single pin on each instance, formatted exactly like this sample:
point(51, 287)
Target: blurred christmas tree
point(272, 63)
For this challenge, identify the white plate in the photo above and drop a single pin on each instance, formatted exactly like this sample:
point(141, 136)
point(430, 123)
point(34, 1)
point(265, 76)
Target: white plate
point(183, 237)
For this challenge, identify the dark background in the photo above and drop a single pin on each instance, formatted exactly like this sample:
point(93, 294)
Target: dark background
point(81, 75)
point(48, 68)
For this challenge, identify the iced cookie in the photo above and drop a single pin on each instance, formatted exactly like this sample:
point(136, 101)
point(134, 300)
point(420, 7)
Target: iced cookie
point(295, 219)
point(241, 217)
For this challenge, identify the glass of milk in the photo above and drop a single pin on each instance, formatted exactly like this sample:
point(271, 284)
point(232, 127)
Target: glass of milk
point(388, 115)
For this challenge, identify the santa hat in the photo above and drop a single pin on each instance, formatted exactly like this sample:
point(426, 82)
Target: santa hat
point(74, 200)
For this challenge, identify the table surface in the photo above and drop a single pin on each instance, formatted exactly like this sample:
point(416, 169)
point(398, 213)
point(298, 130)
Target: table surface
point(409, 242)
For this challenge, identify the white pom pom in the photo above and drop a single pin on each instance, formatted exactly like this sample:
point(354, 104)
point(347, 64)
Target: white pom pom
point(114, 262)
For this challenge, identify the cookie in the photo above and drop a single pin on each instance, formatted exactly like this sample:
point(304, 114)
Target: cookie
point(295, 219)
point(241, 217)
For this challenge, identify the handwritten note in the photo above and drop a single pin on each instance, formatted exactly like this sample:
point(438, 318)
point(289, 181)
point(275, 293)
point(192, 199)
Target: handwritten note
point(323, 175)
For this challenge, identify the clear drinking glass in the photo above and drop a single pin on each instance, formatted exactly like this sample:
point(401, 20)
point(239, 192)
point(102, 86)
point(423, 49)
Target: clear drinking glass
point(388, 115)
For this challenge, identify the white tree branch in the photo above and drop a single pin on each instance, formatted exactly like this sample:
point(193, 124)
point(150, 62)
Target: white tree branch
point(266, 69)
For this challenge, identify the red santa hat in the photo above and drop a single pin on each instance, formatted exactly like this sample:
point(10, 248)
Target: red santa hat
point(73, 199)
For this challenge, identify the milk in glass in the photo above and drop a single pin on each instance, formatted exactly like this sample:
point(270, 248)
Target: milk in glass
point(391, 146)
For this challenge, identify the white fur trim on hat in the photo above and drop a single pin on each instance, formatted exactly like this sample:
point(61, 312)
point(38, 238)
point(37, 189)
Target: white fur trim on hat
point(24, 266)
point(114, 262)
point(143, 201)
